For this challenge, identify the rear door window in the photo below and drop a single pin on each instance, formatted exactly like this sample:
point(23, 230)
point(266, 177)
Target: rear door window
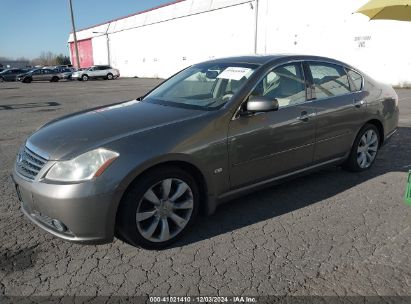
point(329, 79)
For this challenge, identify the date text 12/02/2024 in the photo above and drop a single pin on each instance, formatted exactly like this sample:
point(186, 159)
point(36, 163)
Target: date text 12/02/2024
point(203, 299)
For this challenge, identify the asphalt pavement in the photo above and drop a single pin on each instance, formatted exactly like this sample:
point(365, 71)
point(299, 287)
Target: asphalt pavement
point(328, 233)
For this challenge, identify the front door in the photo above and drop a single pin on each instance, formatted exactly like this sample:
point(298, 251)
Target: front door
point(37, 75)
point(270, 144)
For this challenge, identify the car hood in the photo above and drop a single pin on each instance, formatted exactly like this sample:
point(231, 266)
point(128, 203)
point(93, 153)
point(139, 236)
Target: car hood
point(74, 134)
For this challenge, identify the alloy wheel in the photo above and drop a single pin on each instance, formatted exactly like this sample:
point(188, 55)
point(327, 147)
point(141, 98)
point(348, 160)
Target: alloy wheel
point(367, 148)
point(164, 210)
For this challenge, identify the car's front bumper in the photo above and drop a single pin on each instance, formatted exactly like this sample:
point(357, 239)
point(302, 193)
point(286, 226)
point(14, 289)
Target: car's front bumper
point(86, 216)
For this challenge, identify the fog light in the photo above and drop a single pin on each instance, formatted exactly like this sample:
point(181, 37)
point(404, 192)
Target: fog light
point(59, 225)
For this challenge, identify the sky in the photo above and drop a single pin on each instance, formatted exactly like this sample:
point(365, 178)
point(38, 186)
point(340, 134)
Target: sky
point(31, 26)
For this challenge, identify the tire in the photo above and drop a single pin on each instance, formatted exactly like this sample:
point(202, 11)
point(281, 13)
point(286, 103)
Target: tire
point(54, 79)
point(110, 76)
point(27, 80)
point(364, 150)
point(1, 79)
point(157, 215)
point(84, 77)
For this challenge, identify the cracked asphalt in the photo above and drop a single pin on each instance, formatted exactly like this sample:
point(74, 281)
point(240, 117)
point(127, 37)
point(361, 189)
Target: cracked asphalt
point(328, 233)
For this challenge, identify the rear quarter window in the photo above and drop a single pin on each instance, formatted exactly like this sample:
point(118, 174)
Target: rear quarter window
point(356, 80)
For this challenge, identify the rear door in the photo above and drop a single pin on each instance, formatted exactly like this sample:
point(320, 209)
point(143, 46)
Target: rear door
point(340, 111)
point(270, 144)
point(103, 71)
point(47, 74)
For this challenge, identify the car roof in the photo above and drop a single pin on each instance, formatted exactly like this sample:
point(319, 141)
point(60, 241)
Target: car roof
point(263, 59)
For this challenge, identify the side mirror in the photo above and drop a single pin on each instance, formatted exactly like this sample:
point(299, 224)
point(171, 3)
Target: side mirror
point(211, 74)
point(261, 104)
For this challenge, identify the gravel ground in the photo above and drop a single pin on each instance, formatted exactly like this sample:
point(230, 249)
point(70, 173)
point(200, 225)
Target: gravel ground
point(329, 233)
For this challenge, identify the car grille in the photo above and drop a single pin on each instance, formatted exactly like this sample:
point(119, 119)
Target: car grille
point(29, 164)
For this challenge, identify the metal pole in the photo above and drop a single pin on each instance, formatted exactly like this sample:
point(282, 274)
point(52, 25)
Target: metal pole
point(256, 27)
point(74, 34)
point(108, 49)
point(108, 44)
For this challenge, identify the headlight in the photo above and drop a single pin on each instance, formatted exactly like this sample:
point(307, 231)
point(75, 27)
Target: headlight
point(84, 167)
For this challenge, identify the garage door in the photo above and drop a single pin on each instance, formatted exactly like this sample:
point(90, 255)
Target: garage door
point(85, 50)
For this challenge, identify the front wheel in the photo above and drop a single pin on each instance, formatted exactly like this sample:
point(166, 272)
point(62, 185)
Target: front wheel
point(27, 80)
point(158, 208)
point(364, 150)
point(110, 76)
point(84, 77)
point(54, 79)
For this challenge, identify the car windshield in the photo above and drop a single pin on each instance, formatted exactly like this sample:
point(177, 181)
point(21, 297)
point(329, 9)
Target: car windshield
point(205, 86)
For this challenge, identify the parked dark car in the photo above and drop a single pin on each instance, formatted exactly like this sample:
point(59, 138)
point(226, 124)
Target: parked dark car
point(40, 75)
point(11, 74)
point(143, 170)
point(65, 72)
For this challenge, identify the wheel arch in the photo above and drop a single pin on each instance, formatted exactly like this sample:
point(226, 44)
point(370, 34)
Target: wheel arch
point(185, 165)
point(380, 127)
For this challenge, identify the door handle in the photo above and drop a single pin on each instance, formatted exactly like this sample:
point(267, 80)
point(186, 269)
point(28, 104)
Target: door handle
point(358, 103)
point(305, 116)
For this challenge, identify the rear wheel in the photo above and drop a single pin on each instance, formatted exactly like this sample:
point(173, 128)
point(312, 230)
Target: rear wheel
point(27, 80)
point(84, 77)
point(110, 76)
point(364, 150)
point(158, 208)
point(54, 79)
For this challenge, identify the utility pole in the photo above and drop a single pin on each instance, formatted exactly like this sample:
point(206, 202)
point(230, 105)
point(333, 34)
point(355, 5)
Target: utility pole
point(74, 34)
point(256, 28)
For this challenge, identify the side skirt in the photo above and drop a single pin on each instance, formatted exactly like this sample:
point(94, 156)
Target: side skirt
point(276, 180)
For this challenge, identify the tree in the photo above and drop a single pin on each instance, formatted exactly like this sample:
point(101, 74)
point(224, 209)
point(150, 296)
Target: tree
point(49, 59)
point(62, 60)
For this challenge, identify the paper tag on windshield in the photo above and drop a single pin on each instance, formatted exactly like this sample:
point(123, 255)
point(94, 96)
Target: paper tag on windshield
point(234, 73)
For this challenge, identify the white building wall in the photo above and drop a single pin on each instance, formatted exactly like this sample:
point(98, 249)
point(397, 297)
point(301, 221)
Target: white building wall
point(380, 48)
point(160, 42)
point(100, 54)
point(161, 49)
